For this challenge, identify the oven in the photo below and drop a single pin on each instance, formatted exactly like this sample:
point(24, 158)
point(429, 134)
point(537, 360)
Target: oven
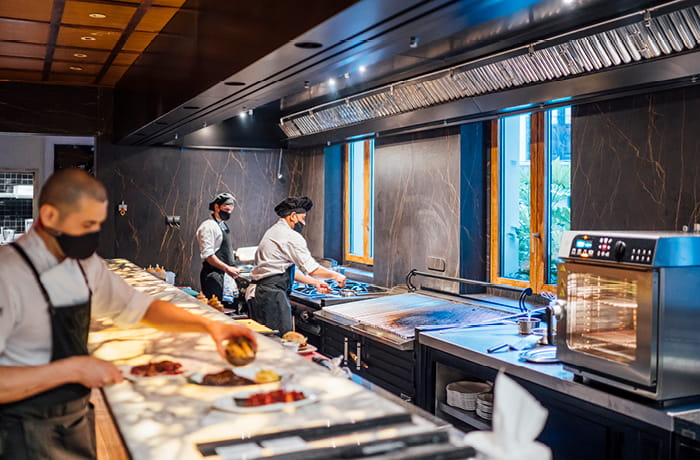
point(630, 317)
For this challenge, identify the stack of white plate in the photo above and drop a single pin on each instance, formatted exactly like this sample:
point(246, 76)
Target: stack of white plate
point(463, 394)
point(484, 405)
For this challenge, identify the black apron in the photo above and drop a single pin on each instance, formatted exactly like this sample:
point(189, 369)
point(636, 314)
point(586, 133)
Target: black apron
point(270, 306)
point(57, 423)
point(211, 278)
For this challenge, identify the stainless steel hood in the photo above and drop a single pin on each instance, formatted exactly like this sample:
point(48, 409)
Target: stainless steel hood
point(647, 35)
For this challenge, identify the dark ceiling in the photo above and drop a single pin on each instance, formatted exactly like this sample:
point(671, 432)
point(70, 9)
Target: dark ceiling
point(179, 85)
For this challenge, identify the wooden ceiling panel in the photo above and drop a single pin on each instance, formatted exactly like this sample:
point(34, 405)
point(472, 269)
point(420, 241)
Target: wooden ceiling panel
point(91, 56)
point(74, 78)
point(113, 75)
point(155, 19)
point(173, 3)
point(19, 75)
point(78, 13)
point(138, 41)
point(33, 10)
point(22, 50)
point(125, 59)
point(65, 67)
point(72, 36)
point(21, 63)
point(22, 31)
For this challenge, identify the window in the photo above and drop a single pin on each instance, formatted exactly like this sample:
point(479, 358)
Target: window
point(359, 202)
point(531, 173)
point(16, 203)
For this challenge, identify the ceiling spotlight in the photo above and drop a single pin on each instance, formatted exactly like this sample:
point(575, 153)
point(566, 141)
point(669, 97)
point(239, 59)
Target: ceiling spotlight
point(307, 84)
point(75, 67)
point(413, 42)
point(244, 113)
point(80, 55)
point(97, 15)
point(88, 39)
point(204, 125)
point(176, 136)
point(346, 75)
point(331, 81)
point(362, 68)
point(250, 112)
point(308, 45)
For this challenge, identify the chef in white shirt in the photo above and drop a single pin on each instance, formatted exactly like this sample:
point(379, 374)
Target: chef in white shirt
point(51, 284)
point(283, 257)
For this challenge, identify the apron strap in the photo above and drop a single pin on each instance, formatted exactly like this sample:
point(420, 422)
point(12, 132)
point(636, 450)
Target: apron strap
point(26, 258)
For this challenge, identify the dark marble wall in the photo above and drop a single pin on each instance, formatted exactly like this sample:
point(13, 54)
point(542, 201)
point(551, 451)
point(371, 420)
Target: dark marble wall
point(417, 202)
point(308, 180)
point(636, 162)
point(159, 181)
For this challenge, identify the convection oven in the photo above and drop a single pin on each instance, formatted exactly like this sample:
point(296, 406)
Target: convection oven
point(630, 313)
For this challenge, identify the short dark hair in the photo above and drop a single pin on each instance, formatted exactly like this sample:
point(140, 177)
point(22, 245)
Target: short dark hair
point(66, 187)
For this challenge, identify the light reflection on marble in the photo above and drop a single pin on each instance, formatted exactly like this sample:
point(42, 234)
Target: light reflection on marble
point(164, 418)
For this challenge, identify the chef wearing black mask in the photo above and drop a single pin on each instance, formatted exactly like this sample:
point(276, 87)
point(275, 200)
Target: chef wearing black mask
point(51, 284)
point(283, 257)
point(215, 249)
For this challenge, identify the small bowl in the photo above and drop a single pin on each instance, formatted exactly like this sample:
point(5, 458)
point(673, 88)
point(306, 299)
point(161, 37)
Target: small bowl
point(291, 346)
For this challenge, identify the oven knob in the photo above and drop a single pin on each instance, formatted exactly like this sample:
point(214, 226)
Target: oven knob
point(619, 250)
point(305, 315)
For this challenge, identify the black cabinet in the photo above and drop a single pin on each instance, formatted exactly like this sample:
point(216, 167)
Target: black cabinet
point(385, 366)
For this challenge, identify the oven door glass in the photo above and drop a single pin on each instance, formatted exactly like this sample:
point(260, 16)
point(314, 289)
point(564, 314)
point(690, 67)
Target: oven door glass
point(609, 314)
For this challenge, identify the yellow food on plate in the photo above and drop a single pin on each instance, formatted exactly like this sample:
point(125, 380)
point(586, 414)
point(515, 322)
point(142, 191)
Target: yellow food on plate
point(295, 337)
point(266, 376)
point(240, 352)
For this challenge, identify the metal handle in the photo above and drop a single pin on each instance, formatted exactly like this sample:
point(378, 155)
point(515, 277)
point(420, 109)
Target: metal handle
point(413, 273)
point(345, 351)
point(358, 361)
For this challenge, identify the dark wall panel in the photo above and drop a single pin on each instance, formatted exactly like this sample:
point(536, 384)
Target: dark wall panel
point(635, 162)
point(333, 201)
point(307, 180)
point(159, 181)
point(416, 205)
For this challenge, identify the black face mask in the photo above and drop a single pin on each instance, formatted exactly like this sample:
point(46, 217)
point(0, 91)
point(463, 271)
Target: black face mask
point(298, 227)
point(224, 215)
point(78, 247)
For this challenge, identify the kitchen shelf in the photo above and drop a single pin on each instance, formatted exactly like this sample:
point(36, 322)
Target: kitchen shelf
point(468, 417)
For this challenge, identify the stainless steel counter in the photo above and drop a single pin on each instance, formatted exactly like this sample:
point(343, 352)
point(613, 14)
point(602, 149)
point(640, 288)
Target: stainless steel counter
point(471, 345)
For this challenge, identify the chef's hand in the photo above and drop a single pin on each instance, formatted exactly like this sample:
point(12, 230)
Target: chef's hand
point(221, 332)
point(233, 272)
point(321, 286)
point(340, 279)
point(92, 372)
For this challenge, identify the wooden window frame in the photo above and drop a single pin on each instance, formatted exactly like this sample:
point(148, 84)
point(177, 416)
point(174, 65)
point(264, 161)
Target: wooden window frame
point(538, 246)
point(365, 258)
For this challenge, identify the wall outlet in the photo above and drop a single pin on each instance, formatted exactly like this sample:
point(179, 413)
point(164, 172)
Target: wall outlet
point(436, 264)
point(172, 221)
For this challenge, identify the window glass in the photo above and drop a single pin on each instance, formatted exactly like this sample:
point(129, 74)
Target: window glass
point(514, 197)
point(16, 204)
point(359, 208)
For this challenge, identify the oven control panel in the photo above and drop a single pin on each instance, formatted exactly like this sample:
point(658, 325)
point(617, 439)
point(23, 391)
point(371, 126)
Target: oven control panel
point(613, 248)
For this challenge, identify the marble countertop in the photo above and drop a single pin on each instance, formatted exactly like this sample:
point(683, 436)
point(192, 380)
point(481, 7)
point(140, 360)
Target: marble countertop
point(164, 418)
point(471, 345)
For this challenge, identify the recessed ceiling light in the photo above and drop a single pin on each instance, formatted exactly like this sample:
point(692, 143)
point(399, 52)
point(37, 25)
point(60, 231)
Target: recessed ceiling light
point(234, 83)
point(190, 107)
point(362, 68)
point(76, 68)
point(331, 81)
point(88, 38)
point(80, 55)
point(347, 75)
point(308, 45)
point(161, 123)
point(97, 15)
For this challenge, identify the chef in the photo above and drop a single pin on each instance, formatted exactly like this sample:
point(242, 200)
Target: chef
point(214, 238)
point(283, 257)
point(51, 284)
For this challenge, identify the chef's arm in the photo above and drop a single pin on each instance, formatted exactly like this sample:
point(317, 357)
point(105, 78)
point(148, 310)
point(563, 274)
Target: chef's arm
point(321, 272)
point(169, 317)
point(20, 382)
point(217, 263)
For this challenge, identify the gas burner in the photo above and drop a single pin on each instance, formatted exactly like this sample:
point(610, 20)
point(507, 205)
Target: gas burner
point(353, 290)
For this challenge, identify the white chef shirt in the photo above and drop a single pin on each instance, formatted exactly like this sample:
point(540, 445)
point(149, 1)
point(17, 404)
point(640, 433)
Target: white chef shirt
point(25, 326)
point(279, 248)
point(209, 237)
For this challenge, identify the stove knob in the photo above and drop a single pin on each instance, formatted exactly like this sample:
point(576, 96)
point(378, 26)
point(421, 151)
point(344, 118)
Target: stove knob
point(619, 250)
point(305, 315)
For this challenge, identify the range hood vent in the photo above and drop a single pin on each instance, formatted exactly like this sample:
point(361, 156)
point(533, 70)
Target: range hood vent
point(649, 38)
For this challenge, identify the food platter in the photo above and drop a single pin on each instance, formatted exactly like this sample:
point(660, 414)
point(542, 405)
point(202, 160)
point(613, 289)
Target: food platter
point(307, 349)
point(234, 402)
point(126, 371)
point(250, 373)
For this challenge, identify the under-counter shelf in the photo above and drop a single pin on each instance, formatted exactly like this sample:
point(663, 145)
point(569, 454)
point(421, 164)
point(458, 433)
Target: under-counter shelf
point(467, 417)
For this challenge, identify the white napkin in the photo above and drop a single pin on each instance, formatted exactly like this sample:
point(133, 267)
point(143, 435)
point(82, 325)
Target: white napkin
point(518, 418)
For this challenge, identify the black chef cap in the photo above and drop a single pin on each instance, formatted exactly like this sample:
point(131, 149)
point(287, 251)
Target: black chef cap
point(298, 204)
point(222, 199)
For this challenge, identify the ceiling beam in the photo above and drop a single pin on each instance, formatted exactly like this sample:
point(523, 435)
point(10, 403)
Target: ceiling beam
point(130, 27)
point(56, 15)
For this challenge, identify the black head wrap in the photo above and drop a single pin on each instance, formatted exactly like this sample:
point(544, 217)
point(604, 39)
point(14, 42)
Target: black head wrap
point(222, 199)
point(298, 204)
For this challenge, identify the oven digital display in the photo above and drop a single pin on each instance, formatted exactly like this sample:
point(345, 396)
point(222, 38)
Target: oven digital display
point(584, 244)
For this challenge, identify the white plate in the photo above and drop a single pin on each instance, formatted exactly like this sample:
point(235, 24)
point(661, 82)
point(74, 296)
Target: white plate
point(247, 372)
point(228, 403)
point(308, 349)
point(126, 370)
